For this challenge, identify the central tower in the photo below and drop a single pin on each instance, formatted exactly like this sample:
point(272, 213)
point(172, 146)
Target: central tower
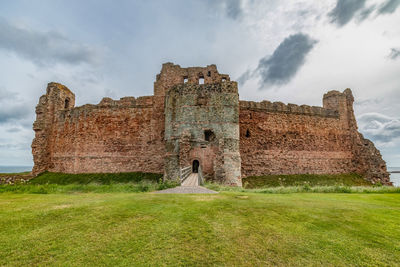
point(201, 122)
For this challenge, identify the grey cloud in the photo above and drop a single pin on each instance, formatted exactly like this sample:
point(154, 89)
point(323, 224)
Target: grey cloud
point(285, 62)
point(15, 146)
point(43, 48)
point(233, 8)
point(389, 7)
point(14, 130)
point(364, 14)
point(13, 113)
point(11, 108)
point(345, 10)
point(380, 128)
point(394, 53)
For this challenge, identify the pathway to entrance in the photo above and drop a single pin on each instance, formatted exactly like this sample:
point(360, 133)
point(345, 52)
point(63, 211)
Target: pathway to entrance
point(192, 180)
point(189, 186)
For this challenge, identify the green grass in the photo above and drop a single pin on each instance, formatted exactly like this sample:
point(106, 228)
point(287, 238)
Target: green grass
point(99, 178)
point(306, 189)
point(143, 186)
point(304, 179)
point(226, 229)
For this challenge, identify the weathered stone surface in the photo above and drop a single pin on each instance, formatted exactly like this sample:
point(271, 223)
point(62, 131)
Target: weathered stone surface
point(195, 114)
point(15, 179)
point(201, 123)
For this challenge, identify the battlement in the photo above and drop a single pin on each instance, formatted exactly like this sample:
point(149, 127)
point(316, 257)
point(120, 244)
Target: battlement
point(280, 107)
point(172, 74)
point(129, 101)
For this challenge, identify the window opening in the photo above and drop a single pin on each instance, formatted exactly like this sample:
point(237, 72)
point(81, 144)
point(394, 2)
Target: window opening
point(66, 104)
point(247, 133)
point(209, 135)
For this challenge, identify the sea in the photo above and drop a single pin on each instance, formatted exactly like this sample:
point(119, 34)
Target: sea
point(395, 177)
point(15, 169)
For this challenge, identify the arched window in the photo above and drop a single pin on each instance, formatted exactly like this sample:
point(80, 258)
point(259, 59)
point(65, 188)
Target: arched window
point(66, 103)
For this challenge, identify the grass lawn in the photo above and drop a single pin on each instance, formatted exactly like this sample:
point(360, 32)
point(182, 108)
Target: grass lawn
point(99, 178)
point(350, 179)
point(230, 228)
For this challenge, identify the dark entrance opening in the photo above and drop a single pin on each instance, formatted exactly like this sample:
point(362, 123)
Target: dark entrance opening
point(195, 166)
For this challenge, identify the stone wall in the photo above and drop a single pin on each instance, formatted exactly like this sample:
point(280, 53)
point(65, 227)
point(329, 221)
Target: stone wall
point(288, 139)
point(113, 136)
point(195, 114)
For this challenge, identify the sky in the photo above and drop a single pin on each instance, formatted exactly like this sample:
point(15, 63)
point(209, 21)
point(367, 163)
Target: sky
point(291, 51)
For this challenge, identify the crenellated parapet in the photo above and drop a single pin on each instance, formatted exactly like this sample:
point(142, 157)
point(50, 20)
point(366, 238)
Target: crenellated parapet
point(280, 107)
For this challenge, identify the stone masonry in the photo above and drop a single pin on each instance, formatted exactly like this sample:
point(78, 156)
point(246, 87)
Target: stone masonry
point(195, 118)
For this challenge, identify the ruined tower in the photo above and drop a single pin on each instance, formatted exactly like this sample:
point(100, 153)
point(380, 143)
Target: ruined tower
point(201, 123)
point(57, 98)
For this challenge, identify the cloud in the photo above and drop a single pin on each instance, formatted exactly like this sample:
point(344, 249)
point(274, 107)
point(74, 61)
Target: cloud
point(364, 13)
point(15, 146)
point(13, 130)
point(11, 108)
point(380, 128)
point(389, 7)
point(345, 10)
point(285, 61)
point(233, 8)
point(43, 48)
point(394, 53)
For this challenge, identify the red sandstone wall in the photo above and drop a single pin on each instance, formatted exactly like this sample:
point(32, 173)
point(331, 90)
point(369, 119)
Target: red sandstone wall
point(128, 135)
point(289, 143)
point(114, 136)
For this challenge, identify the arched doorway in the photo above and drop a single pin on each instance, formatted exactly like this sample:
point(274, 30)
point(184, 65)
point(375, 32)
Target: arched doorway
point(195, 166)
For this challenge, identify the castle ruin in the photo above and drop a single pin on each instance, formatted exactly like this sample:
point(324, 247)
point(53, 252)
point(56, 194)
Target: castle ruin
point(195, 118)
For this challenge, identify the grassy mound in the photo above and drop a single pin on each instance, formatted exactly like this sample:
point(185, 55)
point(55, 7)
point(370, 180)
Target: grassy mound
point(304, 179)
point(98, 178)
